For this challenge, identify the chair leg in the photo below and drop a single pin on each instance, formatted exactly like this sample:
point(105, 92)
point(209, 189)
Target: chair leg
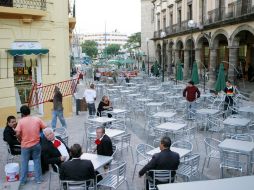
point(134, 172)
point(208, 161)
point(203, 166)
point(127, 184)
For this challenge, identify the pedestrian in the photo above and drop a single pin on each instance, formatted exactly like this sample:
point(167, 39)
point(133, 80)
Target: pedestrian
point(28, 131)
point(230, 92)
point(57, 108)
point(98, 75)
point(191, 93)
point(115, 75)
point(90, 97)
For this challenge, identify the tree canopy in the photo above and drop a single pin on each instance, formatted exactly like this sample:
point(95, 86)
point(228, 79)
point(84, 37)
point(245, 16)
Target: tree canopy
point(112, 49)
point(90, 48)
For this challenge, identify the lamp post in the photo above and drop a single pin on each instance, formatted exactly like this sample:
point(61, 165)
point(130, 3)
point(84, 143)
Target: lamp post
point(163, 34)
point(147, 49)
point(191, 25)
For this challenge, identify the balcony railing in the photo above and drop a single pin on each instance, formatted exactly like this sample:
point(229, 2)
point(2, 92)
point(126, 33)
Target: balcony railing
point(28, 4)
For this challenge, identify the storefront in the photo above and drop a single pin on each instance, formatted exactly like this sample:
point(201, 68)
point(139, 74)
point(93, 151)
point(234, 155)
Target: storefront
point(27, 69)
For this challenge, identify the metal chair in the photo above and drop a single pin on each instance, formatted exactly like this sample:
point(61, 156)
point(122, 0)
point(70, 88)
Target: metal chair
point(212, 150)
point(90, 137)
point(189, 167)
point(65, 140)
point(159, 176)
point(183, 144)
point(231, 160)
point(78, 185)
point(215, 124)
point(60, 131)
point(113, 178)
point(124, 142)
point(10, 156)
point(142, 157)
point(243, 137)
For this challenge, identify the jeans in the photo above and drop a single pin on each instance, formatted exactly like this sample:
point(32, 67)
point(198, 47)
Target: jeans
point(59, 114)
point(91, 108)
point(191, 109)
point(26, 153)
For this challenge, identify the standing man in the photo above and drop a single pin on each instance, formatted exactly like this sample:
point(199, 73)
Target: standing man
point(10, 136)
point(191, 93)
point(115, 75)
point(90, 97)
point(230, 92)
point(103, 142)
point(165, 160)
point(28, 131)
point(57, 108)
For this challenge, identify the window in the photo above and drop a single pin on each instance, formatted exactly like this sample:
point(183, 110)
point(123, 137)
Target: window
point(164, 22)
point(189, 13)
point(152, 15)
point(179, 18)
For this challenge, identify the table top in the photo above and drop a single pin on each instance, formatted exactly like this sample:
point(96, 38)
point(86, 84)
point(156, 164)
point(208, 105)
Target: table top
point(181, 151)
point(111, 132)
point(243, 122)
point(97, 160)
point(249, 109)
point(207, 111)
point(155, 103)
point(117, 86)
point(170, 126)
point(206, 95)
point(111, 89)
point(164, 114)
point(102, 119)
point(116, 111)
point(237, 145)
point(162, 93)
point(125, 91)
point(133, 95)
point(144, 99)
point(234, 183)
point(174, 96)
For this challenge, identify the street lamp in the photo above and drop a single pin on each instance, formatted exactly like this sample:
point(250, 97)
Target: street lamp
point(147, 49)
point(191, 25)
point(163, 34)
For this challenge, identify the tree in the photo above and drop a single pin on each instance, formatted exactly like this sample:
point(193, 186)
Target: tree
point(135, 39)
point(90, 48)
point(112, 49)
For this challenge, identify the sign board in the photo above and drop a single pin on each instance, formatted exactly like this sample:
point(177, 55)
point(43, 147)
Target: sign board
point(26, 45)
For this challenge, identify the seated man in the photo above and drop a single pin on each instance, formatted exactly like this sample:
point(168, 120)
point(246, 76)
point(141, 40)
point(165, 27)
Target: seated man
point(10, 136)
point(165, 160)
point(103, 142)
point(54, 151)
point(104, 104)
point(77, 169)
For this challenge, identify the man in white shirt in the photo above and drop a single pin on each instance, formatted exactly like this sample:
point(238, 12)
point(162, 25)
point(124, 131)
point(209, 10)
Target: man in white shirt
point(90, 97)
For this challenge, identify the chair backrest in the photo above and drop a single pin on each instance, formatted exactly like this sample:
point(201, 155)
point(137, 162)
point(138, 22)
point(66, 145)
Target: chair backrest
point(115, 149)
point(243, 137)
point(230, 158)
point(65, 139)
point(61, 131)
point(183, 144)
point(77, 185)
point(193, 161)
point(211, 144)
point(141, 151)
point(164, 176)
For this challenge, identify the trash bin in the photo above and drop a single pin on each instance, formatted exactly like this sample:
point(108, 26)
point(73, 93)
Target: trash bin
point(80, 105)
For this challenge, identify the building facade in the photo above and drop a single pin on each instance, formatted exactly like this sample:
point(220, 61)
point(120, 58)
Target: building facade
point(34, 47)
point(210, 32)
point(104, 39)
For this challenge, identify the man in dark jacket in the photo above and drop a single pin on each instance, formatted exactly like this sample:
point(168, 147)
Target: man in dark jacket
point(54, 151)
point(57, 108)
point(165, 160)
point(191, 93)
point(103, 142)
point(77, 169)
point(10, 136)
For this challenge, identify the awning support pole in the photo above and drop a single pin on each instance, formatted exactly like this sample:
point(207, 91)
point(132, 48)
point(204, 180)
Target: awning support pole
point(48, 63)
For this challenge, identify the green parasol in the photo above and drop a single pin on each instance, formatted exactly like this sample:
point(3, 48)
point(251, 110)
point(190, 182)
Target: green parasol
point(220, 83)
point(194, 75)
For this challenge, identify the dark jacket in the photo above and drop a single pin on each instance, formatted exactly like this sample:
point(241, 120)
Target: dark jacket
point(192, 93)
point(11, 139)
point(57, 101)
point(77, 170)
point(105, 147)
point(165, 160)
point(100, 108)
point(50, 154)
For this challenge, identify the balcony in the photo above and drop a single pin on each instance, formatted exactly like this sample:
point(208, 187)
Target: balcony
point(24, 9)
point(237, 11)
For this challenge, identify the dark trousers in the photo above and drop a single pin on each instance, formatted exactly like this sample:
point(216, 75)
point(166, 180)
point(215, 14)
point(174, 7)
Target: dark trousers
point(91, 108)
point(229, 102)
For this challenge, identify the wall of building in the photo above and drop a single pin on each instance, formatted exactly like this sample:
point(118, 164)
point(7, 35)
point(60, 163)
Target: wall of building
point(52, 32)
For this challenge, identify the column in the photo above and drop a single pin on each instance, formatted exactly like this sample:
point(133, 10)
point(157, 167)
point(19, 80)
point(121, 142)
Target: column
point(186, 64)
point(212, 74)
point(233, 55)
point(170, 70)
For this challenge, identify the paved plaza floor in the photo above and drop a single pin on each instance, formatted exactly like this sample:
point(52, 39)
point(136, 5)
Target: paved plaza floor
point(139, 135)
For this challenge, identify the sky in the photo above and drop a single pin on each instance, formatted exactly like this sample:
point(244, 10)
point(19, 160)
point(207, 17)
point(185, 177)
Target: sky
point(121, 15)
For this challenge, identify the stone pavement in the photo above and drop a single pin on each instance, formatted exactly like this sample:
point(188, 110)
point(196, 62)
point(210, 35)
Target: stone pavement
point(139, 135)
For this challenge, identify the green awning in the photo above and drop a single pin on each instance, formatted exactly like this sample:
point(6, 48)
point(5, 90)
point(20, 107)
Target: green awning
point(15, 52)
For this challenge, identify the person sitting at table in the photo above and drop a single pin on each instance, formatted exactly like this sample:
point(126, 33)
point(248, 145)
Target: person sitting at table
point(105, 104)
point(165, 160)
point(77, 169)
point(10, 136)
point(103, 142)
point(54, 150)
